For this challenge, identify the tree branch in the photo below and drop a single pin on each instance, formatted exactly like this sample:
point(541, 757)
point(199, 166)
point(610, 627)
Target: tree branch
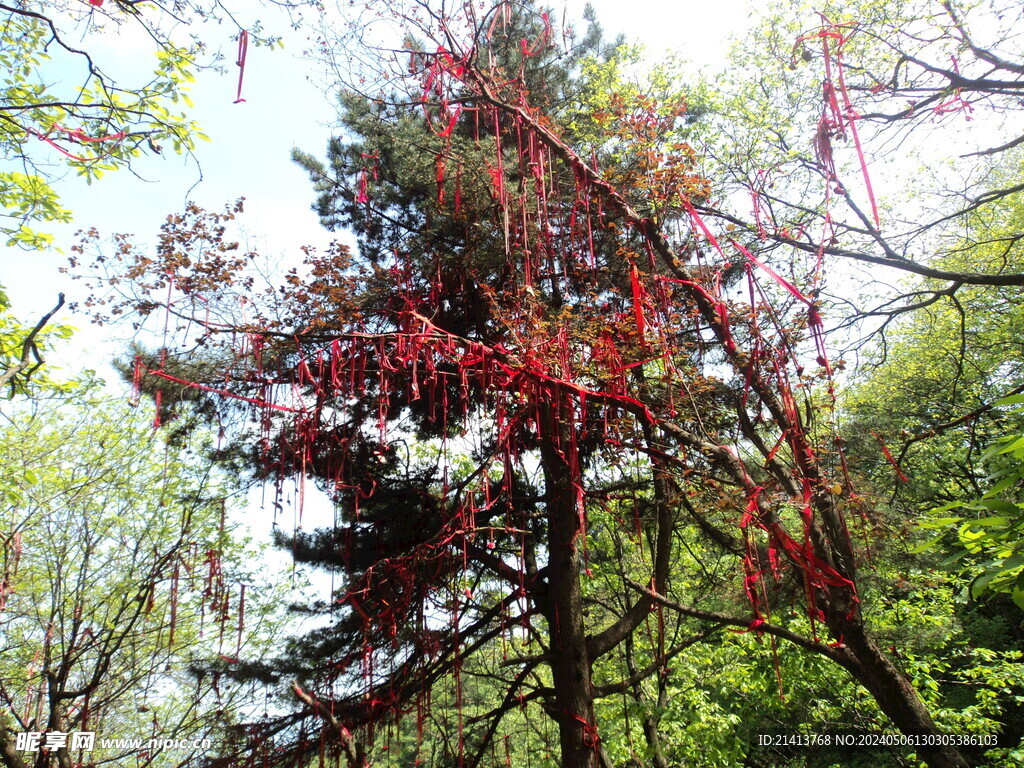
point(29, 350)
point(836, 653)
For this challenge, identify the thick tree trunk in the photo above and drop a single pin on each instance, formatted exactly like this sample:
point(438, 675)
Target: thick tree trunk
point(9, 756)
point(891, 688)
point(570, 665)
point(896, 696)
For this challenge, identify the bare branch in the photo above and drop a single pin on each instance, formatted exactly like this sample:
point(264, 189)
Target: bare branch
point(31, 359)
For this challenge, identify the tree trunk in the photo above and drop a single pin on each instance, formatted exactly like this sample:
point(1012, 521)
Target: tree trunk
point(891, 688)
point(9, 756)
point(896, 696)
point(570, 665)
point(648, 721)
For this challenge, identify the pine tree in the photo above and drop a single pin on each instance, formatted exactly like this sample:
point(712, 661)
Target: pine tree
point(431, 204)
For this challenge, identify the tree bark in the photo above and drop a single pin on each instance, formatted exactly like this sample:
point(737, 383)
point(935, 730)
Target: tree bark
point(29, 350)
point(570, 664)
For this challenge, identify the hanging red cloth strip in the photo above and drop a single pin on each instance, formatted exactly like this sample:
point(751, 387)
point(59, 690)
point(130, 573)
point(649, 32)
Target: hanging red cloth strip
point(363, 196)
point(773, 274)
point(755, 197)
point(453, 117)
point(638, 307)
point(841, 118)
point(243, 49)
point(439, 168)
point(814, 320)
point(530, 49)
point(889, 457)
point(591, 738)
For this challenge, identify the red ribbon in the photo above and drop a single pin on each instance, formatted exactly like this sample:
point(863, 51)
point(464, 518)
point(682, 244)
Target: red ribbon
point(76, 135)
point(243, 49)
point(885, 449)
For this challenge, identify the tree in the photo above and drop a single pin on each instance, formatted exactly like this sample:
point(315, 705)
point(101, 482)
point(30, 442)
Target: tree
point(994, 540)
point(924, 84)
point(63, 109)
point(21, 348)
point(935, 329)
point(118, 574)
point(89, 121)
point(557, 320)
point(942, 369)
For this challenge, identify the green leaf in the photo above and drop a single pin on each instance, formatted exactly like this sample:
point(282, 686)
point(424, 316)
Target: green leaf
point(987, 522)
point(940, 522)
point(1012, 563)
point(1015, 445)
point(1018, 597)
point(980, 584)
point(997, 505)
